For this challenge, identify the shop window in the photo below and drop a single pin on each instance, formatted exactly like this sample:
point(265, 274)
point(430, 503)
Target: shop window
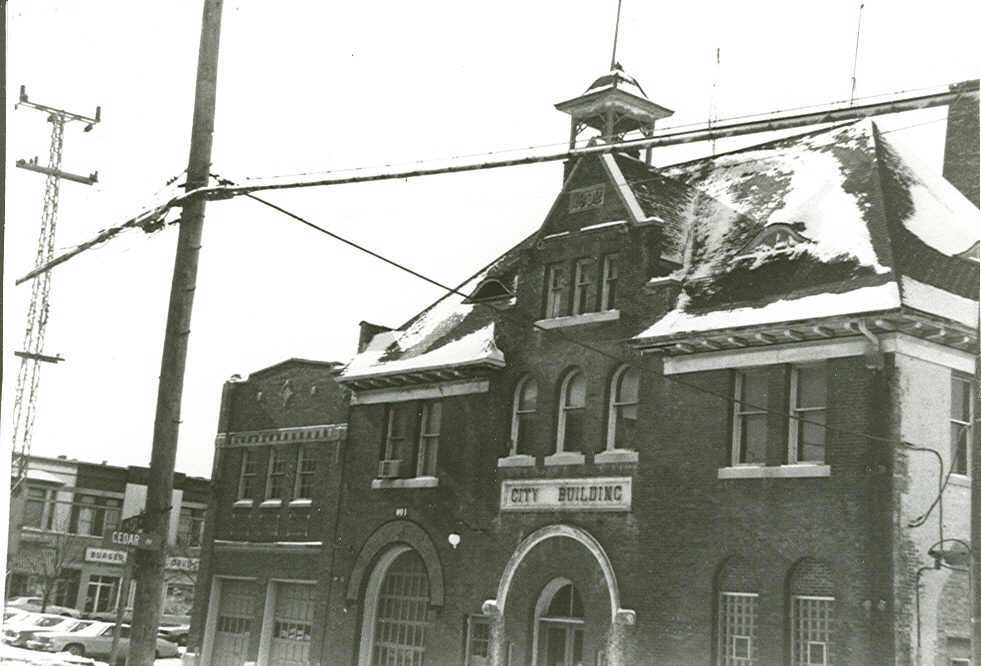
point(961, 417)
point(276, 476)
point(584, 286)
point(190, 526)
point(749, 420)
point(572, 409)
point(624, 402)
point(808, 406)
point(737, 629)
point(478, 641)
point(523, 418)
point(247, 475)
point(306, 465)
point(555, 285)
point(178, 599)
point(100, 594)
point(93, 515)
point(608, 301)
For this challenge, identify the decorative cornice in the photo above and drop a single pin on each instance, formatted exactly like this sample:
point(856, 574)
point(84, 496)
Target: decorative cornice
point(319, 433)
point(477, 370)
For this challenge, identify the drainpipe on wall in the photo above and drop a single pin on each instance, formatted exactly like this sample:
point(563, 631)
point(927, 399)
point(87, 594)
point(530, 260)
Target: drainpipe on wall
point(874, 359)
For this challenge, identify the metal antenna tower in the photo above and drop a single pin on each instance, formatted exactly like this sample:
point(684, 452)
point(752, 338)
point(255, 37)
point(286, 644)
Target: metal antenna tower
point(33, 355)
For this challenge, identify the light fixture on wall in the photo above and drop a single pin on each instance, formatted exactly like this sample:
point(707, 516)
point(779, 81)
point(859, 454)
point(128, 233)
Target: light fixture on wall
point(454, 540)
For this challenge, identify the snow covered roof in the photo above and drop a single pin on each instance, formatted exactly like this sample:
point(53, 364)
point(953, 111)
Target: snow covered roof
point(872, 231)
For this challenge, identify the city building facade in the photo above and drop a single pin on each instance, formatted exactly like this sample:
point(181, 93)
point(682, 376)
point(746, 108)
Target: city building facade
point(58, 520)
point(720, 412)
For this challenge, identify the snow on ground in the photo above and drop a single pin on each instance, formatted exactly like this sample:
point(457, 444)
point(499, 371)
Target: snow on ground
point(14, 656)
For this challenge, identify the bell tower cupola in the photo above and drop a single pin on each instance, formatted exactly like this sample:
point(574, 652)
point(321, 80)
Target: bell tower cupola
point(614, 104)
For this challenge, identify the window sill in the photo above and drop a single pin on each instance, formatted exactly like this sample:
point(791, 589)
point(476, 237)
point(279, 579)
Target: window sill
point(301, 502)
point(575, 320)
point(797, 471)
point(417, 482)
point(961, 480)
point(616, 456)
point(242, 504)
point(565, 458)
point(271, 504)
point(517, 460)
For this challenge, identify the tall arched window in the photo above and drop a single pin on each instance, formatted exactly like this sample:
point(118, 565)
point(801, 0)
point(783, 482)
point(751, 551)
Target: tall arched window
point(624, 397)
point(523, 418)
point(396, 605)
point(559, 625)
point(572, 411)
point(812, 614)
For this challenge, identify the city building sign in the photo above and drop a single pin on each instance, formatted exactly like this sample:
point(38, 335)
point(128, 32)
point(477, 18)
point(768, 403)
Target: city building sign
point(592, 494)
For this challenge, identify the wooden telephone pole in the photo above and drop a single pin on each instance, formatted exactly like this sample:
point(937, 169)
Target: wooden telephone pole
point(149, 564)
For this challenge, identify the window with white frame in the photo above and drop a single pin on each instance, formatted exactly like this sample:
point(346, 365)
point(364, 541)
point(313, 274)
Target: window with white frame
point(737, 629)
point(246, 480)
point(749, 417)
point(808, 409)
point(608, 298)
point(398, 421)
point(276, 475)
point(624, 401)
point(100, 594)
point(961, 418)
point(523, 417)
point(428, 438)
point(554, 290)
point(39, 508)
point(584, 287)
point(572, 412)
point(811, 630)
point(306, 471)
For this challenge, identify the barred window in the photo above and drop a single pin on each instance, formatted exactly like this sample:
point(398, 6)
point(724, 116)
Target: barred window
point(737, 629)
point(811, 621)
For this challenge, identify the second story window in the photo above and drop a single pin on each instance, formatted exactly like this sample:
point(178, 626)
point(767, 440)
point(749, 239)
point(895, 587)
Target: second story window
point(555, 283)
point(39, 508)
point(276, 480)
point(608, 299)
point(190, 526)
point(624, 401)
point(246, 482)
point(572, 409)
point(584, 292)
point(523, 418)
point(397, 432)
point(306, 471)
point(961, 417)
point(749, 427)
point(92, 515)
point(428, 438)
point(808, 402)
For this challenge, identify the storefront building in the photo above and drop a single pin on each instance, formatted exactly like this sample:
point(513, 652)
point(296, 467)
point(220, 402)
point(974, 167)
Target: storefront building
point(683, 423)
point(60, 517)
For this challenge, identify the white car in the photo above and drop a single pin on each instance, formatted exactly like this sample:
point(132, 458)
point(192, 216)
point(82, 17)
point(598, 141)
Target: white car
point(94, 640)
point(24, 631)
point(34, 605)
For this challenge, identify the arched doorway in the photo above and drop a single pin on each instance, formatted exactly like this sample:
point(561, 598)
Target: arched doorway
point(396, 607)
point(559, 625)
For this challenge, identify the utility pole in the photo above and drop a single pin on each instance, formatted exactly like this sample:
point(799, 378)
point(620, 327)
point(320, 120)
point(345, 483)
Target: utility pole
point(149, 564)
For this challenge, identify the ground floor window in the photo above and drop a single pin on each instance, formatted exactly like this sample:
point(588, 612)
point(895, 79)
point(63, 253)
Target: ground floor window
point(100, 595)
point(478, 641)
point(559, 625)
point(401, 613)
point(292, 624)
point(178, 599)
point(737, 629)
point(812, 619)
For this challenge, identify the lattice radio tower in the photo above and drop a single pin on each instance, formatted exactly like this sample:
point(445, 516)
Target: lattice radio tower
point(33, 355)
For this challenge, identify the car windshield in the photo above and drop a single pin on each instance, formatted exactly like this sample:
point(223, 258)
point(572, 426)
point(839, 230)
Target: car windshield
point(48, 621)
point(78, 626)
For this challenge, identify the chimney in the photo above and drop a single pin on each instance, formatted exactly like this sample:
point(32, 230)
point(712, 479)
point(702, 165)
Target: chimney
point(961, 162)
point(368, 331)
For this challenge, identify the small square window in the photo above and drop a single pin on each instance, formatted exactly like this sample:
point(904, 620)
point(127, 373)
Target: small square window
point(741, 647)
point(817, 653)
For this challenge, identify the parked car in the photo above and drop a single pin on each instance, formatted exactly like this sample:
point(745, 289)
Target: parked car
point(25, 631)
point(93, 641)
point(34, 605)
point(175, 633)
point(15, 620)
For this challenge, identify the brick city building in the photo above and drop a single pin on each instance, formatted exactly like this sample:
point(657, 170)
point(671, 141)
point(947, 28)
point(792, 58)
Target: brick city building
point(58, 519)
point(691, 419)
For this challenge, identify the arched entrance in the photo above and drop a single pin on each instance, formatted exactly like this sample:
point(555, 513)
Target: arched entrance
point(396, 606)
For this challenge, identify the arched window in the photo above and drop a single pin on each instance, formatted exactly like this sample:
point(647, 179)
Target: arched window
point(624, 397)
point(572, 411)
point(812, 614)
point(559, 625)
point(523, 417)
point(396, 606)
point(738, 599)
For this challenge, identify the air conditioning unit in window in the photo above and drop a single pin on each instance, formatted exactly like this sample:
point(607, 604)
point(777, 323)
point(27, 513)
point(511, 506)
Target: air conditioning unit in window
point(389, 469)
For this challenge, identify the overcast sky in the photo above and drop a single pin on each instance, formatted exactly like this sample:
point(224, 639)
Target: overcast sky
point(310, 86)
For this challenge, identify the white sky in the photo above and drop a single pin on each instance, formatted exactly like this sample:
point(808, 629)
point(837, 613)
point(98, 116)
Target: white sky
point(308, 86)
